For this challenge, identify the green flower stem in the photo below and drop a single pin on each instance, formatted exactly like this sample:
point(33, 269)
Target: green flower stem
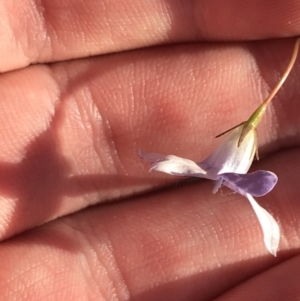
point(255, 118)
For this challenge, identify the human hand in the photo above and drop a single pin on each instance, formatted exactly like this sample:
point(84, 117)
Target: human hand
point(70, 132)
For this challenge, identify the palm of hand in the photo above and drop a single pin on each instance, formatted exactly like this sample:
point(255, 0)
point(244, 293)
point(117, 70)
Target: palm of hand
point(69, 135)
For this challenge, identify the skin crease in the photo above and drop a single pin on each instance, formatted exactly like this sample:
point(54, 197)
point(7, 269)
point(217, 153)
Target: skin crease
point(70, 130)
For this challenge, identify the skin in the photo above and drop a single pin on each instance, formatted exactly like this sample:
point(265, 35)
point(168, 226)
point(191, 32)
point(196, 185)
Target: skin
point(71, 125)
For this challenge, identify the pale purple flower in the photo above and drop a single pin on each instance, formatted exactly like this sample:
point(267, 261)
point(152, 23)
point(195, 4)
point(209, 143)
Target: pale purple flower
point(228, 165)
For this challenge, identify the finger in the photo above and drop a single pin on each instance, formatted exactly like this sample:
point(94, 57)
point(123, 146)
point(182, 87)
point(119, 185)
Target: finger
point(51, 30)
point(279, 283)
point(70, 133)
point(183, 243)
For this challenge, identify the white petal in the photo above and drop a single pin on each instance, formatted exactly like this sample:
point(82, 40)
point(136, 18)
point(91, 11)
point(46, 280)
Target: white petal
point(179, 166)
point(228, 157)
point(268, 224)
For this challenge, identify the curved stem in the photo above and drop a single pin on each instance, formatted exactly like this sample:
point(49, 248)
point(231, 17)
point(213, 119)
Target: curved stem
point(285, 74)
point(257, 115)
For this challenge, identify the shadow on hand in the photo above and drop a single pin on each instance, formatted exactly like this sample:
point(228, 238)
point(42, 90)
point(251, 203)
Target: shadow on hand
point(39, 186)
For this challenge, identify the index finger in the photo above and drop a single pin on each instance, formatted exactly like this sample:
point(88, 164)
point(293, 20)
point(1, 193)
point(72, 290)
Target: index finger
point(52, 30)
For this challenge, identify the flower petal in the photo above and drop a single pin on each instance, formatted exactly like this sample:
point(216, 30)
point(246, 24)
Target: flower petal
point(257, 183)
point(228, 157)
point(151, 157)
point(268, 224)
point(217, 186)
point(173, 165)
